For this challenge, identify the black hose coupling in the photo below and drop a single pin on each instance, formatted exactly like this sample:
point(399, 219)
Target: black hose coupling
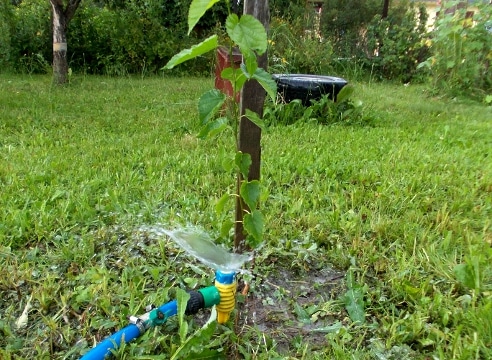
point(195, 303)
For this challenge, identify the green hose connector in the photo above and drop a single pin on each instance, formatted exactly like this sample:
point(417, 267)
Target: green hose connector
point(211, 296)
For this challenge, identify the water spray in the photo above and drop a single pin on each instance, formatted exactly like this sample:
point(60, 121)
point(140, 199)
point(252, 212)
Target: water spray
point(222, 295)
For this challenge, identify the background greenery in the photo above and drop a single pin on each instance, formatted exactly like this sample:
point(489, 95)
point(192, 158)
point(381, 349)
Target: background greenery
point(137, 37)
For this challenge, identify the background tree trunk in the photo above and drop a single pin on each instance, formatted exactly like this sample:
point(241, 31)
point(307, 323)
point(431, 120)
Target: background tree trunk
point(253, 98)
point(61, 18)
point(384, 14)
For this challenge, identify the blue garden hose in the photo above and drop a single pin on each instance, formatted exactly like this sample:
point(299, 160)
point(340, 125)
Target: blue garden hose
point(204, 298)
point(128, 333)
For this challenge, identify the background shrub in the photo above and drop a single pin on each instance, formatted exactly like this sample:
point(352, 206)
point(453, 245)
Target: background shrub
point(325, 111)
point(293, 50)
point(398, 43)
point(31, 40)
point(6, 22)
point(388, 48)
point(113, 37)
point(344, 24)
point(461, 53)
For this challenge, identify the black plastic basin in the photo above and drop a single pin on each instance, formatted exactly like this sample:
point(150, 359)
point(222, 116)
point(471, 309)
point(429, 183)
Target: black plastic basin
point(308, 87)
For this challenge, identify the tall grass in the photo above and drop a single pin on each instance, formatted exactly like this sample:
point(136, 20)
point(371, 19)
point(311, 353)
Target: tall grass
point(401, 202)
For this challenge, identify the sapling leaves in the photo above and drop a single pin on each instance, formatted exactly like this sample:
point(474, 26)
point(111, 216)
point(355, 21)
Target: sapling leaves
point(253, 223)
point(213, 127)
point(255, 118)
point(197, 10)
point(243, 162)
point(220, 204)
point(226, 227)
point(249, 35)
point(250, 63)
point(250, 193)
point(236, 77)
point(209, 104)
point(266, 81)
point(205, 46)
point(247, 32)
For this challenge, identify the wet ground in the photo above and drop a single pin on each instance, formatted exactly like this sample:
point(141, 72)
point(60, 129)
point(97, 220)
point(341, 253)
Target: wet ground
point(292, 305)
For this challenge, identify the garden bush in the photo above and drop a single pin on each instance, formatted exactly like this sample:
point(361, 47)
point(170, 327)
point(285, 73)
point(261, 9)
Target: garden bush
point(365, 43)
point(31, 40)
point(344, 24)
point(325, 111)
point(104, 37)
point(6, 17)
point(292, 50)
point(461, 53)
point(397, 44)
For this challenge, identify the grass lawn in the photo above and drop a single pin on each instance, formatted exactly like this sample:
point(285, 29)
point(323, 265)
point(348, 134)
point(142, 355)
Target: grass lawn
point(388, 222)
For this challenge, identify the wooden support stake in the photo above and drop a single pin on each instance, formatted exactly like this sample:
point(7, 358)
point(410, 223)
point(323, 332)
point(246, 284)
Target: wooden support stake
point(252, 98)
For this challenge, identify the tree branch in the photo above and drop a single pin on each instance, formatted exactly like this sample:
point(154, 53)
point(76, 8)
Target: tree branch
point(71, 8)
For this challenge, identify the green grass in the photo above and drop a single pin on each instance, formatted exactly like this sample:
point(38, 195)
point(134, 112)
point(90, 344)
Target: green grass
point(400, 202)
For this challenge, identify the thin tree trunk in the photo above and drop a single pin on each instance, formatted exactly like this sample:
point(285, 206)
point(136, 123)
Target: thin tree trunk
point(384, 14)
point(253, 98)
point(61, 18)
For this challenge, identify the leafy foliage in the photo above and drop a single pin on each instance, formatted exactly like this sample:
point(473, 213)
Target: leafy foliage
point(106, 37)
point(388, 48)
point(398, 43)
point(249, 35)
point(6, 17)
point(344, 23)
point(291, 51)
point(30, 41)
point(345, 110)
point(461, 53)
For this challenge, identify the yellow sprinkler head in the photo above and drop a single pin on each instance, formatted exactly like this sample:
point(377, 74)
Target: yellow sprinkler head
point(226, 284)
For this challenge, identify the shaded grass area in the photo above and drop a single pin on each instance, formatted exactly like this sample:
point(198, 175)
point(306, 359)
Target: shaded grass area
point(398, 203)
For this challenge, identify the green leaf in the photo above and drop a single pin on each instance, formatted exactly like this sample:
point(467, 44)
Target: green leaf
point(250, 62)
point(209, 104)
point(345, 93)
point(354, 304)
point(236, 77)
point(213, 128)
point(225, 228)
point(182, 297)
point(253, 224)
point(196, 343)
point(219, 205)
point(243, 162)
point(197, 10)
point(250, 192)
point(302, 314)
point(266, 81)
point(330, 328)
point(253, 117)
point(465, 275)
point(248, 33)
point(205, 46)
point(228, 163)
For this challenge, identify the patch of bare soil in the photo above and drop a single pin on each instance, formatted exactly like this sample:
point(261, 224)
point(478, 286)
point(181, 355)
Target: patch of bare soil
point(288, 306)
